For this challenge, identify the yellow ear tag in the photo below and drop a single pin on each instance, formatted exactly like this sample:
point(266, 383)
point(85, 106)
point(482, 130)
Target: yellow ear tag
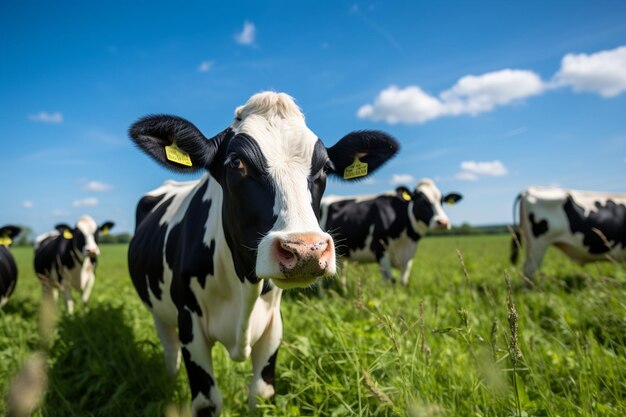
point(104, 231)
point(67, 234)
point(5, 241)
point(355, 170)
point(175, 154)
point(406, 196)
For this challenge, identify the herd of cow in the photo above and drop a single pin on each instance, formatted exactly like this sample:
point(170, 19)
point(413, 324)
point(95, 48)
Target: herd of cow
point(210, 258)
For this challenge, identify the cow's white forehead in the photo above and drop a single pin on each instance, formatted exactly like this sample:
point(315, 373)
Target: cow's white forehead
point(87, 225)
point(428, 187)
point(276, 123)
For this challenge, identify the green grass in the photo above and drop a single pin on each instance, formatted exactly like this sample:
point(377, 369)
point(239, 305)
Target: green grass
point(439, 348)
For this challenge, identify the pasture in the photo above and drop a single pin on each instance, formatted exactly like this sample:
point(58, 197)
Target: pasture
point(442, 347)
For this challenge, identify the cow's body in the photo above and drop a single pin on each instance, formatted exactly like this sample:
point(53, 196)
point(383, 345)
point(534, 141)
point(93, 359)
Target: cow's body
point(210, 257)
point(385, 228)
point(8, 269)
point(587, 226)
point(65, 259)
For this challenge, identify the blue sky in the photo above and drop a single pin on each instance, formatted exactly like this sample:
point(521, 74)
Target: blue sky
point(485, 99)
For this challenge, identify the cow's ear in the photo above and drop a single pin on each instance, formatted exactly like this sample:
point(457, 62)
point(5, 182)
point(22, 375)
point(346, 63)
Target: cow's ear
point(8, 233)
point(451, 198)
point(174, 142)
point(404, 193)
point(105, 228)
point(360, 153)
point(64, 230)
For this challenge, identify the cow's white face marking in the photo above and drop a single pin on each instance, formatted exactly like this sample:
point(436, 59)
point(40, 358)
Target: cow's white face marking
point(278, 127)
point(433, 195)
point(88, 227)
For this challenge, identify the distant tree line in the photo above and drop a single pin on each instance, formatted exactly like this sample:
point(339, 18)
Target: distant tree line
point(467, 229)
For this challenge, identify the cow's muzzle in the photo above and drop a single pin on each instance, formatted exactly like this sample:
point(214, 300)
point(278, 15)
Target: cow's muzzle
point(303, 257)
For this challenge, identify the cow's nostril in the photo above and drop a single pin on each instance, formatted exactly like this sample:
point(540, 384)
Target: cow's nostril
point(285, 254)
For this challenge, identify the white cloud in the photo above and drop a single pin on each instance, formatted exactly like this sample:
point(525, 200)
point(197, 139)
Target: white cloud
point(97, 186)
point(247, 34)
point(472, 170)
point(470, 95)
point(85, 202)
point(205, 66)
point(46, 117)
point(603, 72)
point(402, 179)
point(27, 204)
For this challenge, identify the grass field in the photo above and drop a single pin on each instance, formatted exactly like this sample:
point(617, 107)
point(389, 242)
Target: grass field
point(442, 347)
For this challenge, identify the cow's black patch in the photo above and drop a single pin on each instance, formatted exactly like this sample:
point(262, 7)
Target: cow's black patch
point(423, 210)
point(608, 219)
point(185, 326)
point(267, 286)
point(268, 370)
point(248, 206)
point(200, 381)
point(186, 252)
point(146, 248)
point(538, 228)
point(8, 272)
point(56, 253)
point(206, 411)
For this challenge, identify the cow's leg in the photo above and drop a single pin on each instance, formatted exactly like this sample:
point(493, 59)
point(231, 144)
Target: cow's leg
point(535, 251)
point(384, 264)
point(69, 300)
point(264, 354)
point(406, 271)
point(250, 294)
point(171, 345)
point(88, 288)
point(206, 399)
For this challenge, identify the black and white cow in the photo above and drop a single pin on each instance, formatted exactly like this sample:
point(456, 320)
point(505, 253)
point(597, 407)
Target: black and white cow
point(386, 228)
point(211, 257)
point(8, 269)
point(66, 259)
point(585, 225)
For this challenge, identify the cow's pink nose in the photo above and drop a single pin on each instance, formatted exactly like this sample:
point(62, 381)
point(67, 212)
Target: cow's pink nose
point(442, 223)
point(304, 255)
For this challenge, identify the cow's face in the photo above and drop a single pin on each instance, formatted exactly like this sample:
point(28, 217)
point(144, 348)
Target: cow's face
point(84, 237)
point(425, 206)
point(272, 169)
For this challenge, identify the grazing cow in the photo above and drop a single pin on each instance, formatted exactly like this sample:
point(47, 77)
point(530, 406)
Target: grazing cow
point(66, 259)
point(585, 225)
point(8, 269)
point(211, 257)
point(386, 228)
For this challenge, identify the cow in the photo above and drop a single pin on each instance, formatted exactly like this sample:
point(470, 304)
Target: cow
point(8, 268)
point(586, 226)
point(385, 228)
point(65, 259)
point(210, 258)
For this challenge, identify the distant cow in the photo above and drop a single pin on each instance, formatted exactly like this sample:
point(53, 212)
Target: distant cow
point(586, 225)
point(66, 259)
point(8, 269)
point(211, 257)
point(386, 228)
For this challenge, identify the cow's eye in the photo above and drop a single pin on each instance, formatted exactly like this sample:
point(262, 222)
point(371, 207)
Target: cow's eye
point(235, 163)
point(328, 166)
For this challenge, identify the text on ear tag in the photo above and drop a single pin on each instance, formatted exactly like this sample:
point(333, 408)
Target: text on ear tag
point(355, 170)
point(406, 196)
point(175, 154)
point(5, 241)
point(67, 234)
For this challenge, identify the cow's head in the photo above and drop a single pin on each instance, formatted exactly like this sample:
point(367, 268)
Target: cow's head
point(8, 234)
point(84, 237)
point(272, 169)
point(424, 205)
